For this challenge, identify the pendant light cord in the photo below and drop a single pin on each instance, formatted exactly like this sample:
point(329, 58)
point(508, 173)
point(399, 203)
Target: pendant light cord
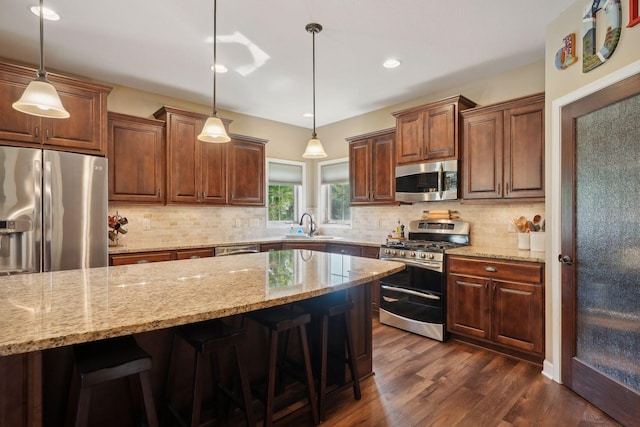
point(215, 63)
point(314, 82)
point(41, 72)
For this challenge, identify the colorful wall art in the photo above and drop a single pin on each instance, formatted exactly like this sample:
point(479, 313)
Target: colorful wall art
point(590, 57)
point(566, 54)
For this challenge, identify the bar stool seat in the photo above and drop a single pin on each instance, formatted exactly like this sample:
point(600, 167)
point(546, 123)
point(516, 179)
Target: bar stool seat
point(208, 339)
point(283, 320)
point(322, 309)
point(102, 361)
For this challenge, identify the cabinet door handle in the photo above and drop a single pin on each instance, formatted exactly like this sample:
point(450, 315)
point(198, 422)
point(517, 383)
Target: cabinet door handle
point(490, 269)
point(46, 133)
point(494, 287)
point(198, 196)
point(37, 132)
point(499, 188)
point(507, 191)
point(204, 194)
point(158, 193)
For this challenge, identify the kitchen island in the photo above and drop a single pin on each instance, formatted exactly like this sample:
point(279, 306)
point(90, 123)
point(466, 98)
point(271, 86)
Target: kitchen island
point(42, 314)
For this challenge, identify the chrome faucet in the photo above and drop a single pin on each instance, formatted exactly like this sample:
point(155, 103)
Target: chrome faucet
point(312, 224)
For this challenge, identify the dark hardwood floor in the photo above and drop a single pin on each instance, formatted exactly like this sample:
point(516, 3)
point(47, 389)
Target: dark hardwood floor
point(422, 382)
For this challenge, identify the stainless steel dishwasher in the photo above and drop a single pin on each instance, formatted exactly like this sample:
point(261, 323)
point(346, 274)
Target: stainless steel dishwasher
point(235, 250)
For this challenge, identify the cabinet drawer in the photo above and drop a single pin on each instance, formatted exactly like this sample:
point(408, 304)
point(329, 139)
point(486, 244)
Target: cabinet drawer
point(343, 249)
point(370, 251)
point(194, 253)
point(140, 258)
point(505, 270)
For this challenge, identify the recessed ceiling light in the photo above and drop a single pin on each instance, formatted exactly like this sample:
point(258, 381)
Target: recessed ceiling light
point(220, 68)
point(391, 63)
point(48, 14)
point(307, 115)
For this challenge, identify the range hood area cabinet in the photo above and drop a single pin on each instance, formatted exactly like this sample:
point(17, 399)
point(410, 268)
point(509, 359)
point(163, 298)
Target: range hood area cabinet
point(503, 150)
point(199, 172)
point(136, 152)
point(372, 168)
point(430, 131)
point(85, 131)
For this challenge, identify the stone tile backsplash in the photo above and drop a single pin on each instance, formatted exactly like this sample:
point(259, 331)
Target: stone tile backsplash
point(177, 225)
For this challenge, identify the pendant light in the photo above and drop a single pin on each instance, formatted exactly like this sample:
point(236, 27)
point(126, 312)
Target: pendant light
point(40, 97)
point(213, 130)
point(314, 146)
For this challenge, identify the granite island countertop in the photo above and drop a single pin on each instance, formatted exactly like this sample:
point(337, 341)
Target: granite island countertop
point(46, 310)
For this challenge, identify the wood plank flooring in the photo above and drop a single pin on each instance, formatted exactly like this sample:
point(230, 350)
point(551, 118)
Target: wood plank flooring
point(422, 382)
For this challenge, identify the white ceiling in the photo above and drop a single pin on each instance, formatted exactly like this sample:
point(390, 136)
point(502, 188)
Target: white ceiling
point(160, 46)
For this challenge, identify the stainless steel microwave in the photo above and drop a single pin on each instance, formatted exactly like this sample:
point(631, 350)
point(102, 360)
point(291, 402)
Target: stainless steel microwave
point(429, 181)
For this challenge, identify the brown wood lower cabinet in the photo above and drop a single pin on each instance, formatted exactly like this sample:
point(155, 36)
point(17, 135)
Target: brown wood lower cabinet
point(268, 247)
point(140, 258)
point(498, 304)
point(194, 253)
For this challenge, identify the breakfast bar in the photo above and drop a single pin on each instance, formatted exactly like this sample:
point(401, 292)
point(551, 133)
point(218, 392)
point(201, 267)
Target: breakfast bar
point(43, 314)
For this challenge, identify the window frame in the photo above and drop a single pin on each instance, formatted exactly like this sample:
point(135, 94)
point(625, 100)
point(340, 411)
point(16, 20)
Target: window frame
point(299, 194)
point(323, 202)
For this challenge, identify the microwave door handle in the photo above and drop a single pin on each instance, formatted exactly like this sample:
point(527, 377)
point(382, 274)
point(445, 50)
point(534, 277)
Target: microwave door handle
point(440, 172)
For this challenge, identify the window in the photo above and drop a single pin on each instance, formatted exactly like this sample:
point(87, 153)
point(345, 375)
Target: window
point(334, 198)
point(285, 185)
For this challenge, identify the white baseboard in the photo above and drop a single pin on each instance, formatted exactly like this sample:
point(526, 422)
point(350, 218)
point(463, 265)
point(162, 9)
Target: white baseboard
point(548, 370)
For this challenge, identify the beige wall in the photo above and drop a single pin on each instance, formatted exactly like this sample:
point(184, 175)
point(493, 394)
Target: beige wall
point(561, 87)
point(285, 141)
point(172, 225)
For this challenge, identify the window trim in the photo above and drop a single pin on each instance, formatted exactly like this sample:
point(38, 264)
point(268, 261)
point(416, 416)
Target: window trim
point(301, 205)
point(322, 207)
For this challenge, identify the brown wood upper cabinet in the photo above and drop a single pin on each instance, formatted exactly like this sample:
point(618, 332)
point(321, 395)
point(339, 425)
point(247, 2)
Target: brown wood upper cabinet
point(136, 159)
point(205, 173)
point(85, 131)
point(372, 168)
point(430, 131)
point(503, 150)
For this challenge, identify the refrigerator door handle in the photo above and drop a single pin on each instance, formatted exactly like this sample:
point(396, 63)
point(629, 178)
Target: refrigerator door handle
point(47, 217)
point(37, 215)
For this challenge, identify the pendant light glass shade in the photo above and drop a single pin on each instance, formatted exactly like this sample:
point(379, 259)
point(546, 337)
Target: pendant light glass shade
point(213, 129)
point(40, 98)
point(314, 149)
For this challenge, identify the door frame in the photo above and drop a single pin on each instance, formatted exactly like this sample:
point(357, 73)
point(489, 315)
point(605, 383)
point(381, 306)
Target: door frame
point(608, 394)
point(552, 365)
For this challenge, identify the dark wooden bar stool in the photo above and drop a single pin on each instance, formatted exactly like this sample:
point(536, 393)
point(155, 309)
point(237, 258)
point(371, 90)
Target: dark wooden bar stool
point(102, 361)
point(323, 309)
point(209, 339)
point(282, 320)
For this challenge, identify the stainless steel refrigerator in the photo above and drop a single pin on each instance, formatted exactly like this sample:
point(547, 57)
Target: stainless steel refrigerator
point(53, 211)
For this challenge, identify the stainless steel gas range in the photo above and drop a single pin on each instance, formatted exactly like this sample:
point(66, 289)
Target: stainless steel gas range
point(415, 299)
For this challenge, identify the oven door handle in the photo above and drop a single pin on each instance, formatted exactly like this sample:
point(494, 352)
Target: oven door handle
point(410, 292)
point(435, 266)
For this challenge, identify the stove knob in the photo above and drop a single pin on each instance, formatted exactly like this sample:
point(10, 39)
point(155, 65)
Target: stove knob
point(412, 254)
point(403, 253)
point(423, 255)
point(431, 256)
point(394, 253)
point(387, 251)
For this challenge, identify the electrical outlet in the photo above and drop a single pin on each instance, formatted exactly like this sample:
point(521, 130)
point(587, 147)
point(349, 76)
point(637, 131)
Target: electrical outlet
point(254, 222)
point(146, 223)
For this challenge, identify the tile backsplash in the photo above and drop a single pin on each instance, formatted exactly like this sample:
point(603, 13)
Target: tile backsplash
point(180, 225)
